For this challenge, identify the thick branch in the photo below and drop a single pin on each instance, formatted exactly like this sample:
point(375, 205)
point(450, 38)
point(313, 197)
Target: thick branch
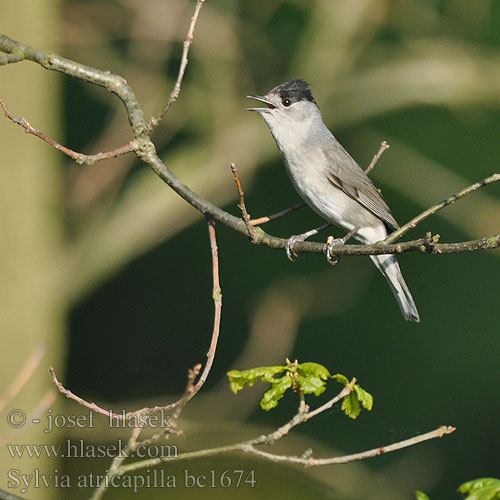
point(145, 150)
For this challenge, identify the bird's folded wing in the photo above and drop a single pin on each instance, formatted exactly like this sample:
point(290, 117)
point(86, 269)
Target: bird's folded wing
point(345, 174)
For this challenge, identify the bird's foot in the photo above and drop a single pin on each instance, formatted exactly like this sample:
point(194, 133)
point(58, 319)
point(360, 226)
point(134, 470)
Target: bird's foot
point(290, 253)
point(332, 242)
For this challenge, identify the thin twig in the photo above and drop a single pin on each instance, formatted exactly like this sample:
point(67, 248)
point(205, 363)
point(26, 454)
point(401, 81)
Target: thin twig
point(384, 146)
point(23, 375)
point(155, 120)
point(191, 389)
point(79, 158)
point(432, 210)
point(241, 204)
point(263, 220)
point(116, 463)
point(81, 401)
point(217, 296)
point(311, 461)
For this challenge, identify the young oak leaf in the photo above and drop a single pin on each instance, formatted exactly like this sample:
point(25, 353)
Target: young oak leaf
point(351, 404)
point(487, 488)
point(364, 397)
point(305, 378)
point(312, 378)
point(239, 379)
point(271, 397)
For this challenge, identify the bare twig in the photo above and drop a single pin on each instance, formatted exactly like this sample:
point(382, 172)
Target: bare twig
point(116, 463)
point(432, 210)
point(217, 296)
point(79, 158)
point(263, 220)
point(310, 461)
point(23, 375)
point(81, 401)
point(249, 222)
point(191, 389)
point(241, 204)
point(155, 120)
point(384, 146)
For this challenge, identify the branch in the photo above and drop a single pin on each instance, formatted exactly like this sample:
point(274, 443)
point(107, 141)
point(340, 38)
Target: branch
point(448, 201)
point(282, 213)
point(155, 120)
point(241, 205)
point(303, 415)
point(191, 389)
point(145, 150)
point(384, 146)
point(310, 461)
point(79, 158)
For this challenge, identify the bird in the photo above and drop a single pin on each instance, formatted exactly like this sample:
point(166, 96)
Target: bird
point(329, 180)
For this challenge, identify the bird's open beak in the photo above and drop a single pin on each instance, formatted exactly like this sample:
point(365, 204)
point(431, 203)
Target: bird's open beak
point(265, 101)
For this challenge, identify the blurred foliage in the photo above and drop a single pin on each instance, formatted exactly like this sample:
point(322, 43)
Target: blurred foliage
point(135, 272)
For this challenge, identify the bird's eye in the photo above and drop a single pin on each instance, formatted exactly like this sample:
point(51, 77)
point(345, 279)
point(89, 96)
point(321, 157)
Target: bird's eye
point(286, 102)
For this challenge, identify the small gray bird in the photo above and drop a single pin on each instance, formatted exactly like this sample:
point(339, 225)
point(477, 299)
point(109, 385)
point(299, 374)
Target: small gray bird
point(329, 180)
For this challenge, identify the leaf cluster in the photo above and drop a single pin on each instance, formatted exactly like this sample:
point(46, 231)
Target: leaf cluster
point(302, 378)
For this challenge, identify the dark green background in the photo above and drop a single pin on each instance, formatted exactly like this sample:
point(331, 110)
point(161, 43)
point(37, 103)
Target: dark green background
point(135, 336)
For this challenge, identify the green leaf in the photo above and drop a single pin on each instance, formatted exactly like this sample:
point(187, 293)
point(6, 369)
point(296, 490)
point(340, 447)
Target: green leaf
point(311, 385)
point(487, 488)
point(239, 379)
point(364, 397)
point(311, 378)
point(420, 495)
point(351, 406)
point(271, 397)
point(341, 379)
point(314, 370)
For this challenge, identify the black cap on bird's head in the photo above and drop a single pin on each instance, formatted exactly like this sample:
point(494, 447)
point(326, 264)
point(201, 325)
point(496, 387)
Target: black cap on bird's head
point(295, 90)
point(284, 95)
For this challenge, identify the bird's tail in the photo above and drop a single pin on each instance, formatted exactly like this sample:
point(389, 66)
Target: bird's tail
point(389, 267)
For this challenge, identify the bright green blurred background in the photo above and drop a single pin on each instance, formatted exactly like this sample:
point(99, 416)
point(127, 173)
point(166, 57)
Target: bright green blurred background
point(110, 270)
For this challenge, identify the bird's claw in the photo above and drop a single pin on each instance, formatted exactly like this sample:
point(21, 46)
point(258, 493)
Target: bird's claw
point(331, 242)
point(290, 253)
